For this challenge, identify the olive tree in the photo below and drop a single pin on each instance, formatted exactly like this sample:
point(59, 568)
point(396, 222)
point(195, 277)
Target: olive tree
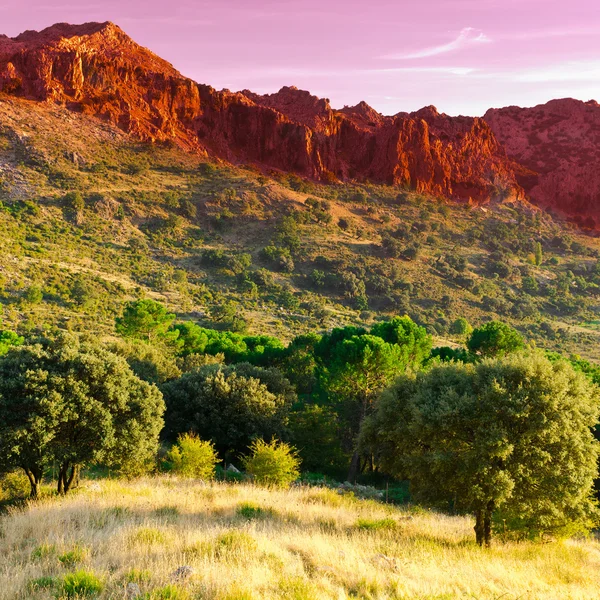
point(70, 402)
point(507, 437)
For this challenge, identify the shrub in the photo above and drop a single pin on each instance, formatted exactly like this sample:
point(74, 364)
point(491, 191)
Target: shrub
point(72, 557)
point(41, 583)
point(169, 592)
point(80, 584)
point(273, 464)
point(43, 551)
point(14, 486)
point(235, 543)
point(250, 510)
point(376, 524)
point(148, 536)
point(193, 457)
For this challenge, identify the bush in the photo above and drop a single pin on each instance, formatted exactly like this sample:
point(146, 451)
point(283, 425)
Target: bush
point(376, 524)
point(273, 464)
point(14, 486)
point(73, 557)
point(169, 592)
point(193, 457)
point(80, 584)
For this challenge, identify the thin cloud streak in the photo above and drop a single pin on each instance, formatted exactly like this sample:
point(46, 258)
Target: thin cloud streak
point(467, 37)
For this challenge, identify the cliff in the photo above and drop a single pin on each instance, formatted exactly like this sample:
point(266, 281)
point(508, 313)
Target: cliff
point(97, 69)
point(558, 143)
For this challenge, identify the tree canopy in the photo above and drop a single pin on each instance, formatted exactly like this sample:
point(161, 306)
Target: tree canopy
point(507, 438)
point(72, 403)
point(147, 320)
point(219, 404)
point(495, 339)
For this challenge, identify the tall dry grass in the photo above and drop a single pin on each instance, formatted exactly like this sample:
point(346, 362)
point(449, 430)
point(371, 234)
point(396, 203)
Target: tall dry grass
point(246, 543)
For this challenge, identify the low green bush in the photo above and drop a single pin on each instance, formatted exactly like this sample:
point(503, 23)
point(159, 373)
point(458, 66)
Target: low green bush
point(193, 457)
point(272, 464)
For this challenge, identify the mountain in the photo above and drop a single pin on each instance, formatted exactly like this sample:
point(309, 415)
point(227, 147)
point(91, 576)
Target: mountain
point(558, 147)
point(97, 69)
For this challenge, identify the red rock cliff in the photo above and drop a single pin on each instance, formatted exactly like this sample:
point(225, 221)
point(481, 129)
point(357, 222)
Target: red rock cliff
point(96, 68)
point(559, 144)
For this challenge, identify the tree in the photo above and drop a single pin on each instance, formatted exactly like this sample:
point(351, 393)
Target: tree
point(72, 402)
point(8, 339)
point(356, 365)
point(495, 339)
point(147, 320)
point(228, 409)
point(461, 327)
point(274, 464)
point(507, 437)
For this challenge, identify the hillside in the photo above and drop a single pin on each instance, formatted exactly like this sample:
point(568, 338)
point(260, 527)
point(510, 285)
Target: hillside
point(244, 542)
point(151, 214)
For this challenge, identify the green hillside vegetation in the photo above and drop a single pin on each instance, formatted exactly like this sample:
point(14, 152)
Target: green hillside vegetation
point(225, 384)
point(91, 220)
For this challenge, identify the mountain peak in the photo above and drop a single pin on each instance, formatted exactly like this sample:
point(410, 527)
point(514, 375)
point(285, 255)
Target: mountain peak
point(97, 69)
point(66, 30)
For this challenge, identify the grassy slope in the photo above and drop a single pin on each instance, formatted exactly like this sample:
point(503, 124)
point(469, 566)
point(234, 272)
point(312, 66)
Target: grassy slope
point(137, 236)
point(305, 545)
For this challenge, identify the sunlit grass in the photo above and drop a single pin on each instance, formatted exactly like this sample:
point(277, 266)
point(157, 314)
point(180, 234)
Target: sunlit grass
point(249, 543)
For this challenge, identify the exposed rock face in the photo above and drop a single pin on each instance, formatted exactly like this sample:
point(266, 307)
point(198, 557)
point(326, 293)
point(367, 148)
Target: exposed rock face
point(96, 68)
point(558, 143)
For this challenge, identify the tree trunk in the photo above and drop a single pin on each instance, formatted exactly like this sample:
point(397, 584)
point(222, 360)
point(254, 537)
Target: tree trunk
point(479, 527)
point(34, 481)
point(67, 475)
point(483, 525)
point(354, 467)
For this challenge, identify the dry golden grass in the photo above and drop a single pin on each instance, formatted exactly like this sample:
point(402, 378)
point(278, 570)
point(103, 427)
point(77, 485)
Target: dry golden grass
point(247, 543)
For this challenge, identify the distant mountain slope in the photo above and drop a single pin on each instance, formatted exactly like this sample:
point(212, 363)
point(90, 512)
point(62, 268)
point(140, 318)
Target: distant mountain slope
point(558, 143)
point(97, 69)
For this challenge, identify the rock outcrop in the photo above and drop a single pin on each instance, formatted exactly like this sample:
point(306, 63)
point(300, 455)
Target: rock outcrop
point(558, 147)
point(97, 69)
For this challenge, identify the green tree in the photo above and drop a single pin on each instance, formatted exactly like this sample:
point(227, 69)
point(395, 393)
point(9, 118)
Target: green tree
point(147, 320)
point(272, 464)
point(461, 327)
point(495, 339)
point(72, 402)
point(354, 366)
point(219, 405)
point(507, 437)
point(192, 457)
point(8, 339)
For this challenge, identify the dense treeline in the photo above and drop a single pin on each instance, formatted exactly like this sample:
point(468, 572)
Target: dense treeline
point(494, 428)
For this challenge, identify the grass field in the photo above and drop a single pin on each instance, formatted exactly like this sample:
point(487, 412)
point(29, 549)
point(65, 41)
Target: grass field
point(244, 543)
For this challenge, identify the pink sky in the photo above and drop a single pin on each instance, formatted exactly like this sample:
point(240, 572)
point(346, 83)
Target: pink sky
point(463, 56)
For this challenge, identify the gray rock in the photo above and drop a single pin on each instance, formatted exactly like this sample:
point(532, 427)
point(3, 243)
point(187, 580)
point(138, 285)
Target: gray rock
point(182, 573)
point(232, 469)
point(133, 591)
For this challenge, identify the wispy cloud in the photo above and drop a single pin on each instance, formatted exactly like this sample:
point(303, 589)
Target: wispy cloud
point(467, 37)
point(547, 34)
point(278, 72)
point(567, 71)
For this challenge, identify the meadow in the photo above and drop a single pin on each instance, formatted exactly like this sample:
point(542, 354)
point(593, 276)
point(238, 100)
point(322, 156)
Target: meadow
point(244, 542)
